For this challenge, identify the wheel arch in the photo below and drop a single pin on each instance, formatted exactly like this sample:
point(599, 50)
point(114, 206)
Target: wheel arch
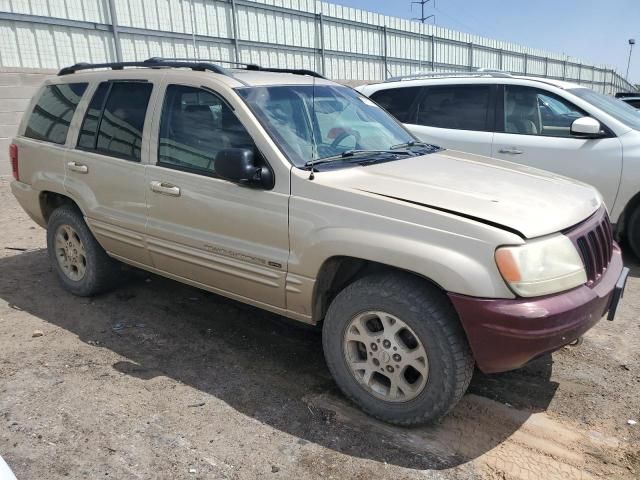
point(628, 209)
point(50, 200)
point(339, 271)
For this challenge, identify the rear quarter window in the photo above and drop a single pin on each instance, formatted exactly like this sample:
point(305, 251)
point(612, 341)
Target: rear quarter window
point(51, 116)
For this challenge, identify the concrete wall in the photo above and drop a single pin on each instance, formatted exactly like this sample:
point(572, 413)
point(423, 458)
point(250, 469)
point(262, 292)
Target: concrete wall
point(17, 86)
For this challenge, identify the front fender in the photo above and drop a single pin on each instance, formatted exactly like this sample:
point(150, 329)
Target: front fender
point(448, 267)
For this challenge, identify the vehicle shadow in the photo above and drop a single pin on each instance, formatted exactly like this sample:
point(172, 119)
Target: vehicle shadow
point(266, 367)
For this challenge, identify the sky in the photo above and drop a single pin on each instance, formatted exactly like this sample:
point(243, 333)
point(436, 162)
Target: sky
point(594, 31)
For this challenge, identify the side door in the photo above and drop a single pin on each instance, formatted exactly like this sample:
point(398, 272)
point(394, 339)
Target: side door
point(105, 170)
point(458, 117)
point(213, 233)
point(534, 129)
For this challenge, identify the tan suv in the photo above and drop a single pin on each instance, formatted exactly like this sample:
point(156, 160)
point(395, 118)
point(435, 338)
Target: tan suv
point(287, 191)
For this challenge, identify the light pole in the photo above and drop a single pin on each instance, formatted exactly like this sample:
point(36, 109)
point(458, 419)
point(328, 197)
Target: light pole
point(632, 42)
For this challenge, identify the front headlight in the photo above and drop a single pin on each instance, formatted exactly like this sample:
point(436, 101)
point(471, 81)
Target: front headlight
point(542, 266)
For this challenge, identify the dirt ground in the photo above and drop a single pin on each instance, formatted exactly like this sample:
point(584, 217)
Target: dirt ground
point(161, 380)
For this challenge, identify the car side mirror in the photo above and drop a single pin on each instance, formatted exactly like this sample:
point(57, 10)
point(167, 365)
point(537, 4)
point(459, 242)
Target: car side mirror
point(238, 165)
point(586, 127)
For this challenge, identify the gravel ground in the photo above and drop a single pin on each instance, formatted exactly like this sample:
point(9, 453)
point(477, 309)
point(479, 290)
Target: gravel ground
point(161, 380)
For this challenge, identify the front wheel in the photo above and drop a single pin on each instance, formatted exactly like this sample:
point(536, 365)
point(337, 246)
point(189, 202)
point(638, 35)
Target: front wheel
point(395, 347)
point(633, 232)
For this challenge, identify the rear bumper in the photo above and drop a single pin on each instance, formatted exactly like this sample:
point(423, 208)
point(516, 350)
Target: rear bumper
point(506, 334)
point(29, 200)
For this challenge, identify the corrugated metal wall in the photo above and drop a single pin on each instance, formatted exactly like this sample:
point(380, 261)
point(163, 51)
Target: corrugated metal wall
point(344, 43)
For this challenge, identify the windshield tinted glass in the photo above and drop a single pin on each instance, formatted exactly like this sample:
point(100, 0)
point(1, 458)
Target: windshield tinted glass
point(318, 122)
point(614, 107)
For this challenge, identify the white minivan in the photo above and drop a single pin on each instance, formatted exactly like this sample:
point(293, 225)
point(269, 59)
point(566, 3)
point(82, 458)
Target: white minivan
point(548, 124)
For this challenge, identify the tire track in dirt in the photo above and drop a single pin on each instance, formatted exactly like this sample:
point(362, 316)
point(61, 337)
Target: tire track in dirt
point(497, 441)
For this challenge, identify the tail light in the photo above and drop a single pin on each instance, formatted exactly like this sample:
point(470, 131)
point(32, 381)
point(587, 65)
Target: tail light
point(13, 157)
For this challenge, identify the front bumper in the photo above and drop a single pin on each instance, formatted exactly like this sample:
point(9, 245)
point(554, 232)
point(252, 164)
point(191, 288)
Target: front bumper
point(506, 334)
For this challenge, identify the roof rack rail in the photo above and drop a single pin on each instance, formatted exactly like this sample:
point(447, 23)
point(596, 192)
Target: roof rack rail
point(248, 66)
point(481, 72)
point(194, 64)
point(149, 63)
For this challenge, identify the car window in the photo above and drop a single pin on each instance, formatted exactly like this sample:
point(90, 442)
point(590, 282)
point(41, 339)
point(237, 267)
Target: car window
point(89, 128)
point(52, 114)
point(398, 101)
point(196, 124)
point(312, 122)
point(611, 106)
point(633, 103)
point(531, 111)
point(116, 112)
point(459, 107)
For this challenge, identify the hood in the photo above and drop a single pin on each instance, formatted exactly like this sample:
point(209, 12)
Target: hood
point(522, 199)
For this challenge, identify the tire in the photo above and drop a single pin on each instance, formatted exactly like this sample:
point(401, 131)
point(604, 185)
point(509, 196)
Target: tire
point(633, 232)
point(81, 264)
point(439, 380)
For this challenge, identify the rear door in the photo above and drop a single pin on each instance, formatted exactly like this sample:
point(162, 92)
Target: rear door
point(459, 117)
point(534, 128)
point(105, 171)
point(214, 233)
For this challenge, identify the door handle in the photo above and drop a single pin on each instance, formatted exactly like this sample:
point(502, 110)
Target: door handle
point(165, 188)
point(511, 151)
point(77, 167)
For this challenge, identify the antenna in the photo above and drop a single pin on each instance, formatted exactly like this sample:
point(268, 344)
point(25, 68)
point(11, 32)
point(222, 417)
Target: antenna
point(314, 148)
point(422, 4)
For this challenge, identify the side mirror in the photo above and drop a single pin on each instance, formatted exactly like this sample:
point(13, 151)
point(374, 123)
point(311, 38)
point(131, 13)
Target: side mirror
point(586, 127)
point(238, 165)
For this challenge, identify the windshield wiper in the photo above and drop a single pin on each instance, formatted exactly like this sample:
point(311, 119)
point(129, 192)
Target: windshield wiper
point(412, 143)
point(353, 153)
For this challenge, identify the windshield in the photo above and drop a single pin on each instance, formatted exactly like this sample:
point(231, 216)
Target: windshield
point(619, 110)
point(313, 123)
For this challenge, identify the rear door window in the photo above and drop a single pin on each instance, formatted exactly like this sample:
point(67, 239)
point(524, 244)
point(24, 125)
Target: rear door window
point(398, 102)
point(115, 118)
point(52, 114)
point(457, 107)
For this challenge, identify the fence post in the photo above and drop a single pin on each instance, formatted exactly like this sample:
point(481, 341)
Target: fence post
point(471, 56)
point(193, 29)
point(433, 52)
point(500, 57)
point(526, 63)
point(579, 72)
point(114, 30)
point(546, 66)
point(323, 64)
point(564, 70)
point(386, 60)
point(234, 22)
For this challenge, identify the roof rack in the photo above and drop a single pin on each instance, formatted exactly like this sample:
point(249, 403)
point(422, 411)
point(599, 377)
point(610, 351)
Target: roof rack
point(149, 63)
point(247, 66)
point(481, 72)
point(194, 64)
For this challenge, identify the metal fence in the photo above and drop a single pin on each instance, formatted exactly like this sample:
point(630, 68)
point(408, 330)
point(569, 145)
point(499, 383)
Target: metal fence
point(343, 43)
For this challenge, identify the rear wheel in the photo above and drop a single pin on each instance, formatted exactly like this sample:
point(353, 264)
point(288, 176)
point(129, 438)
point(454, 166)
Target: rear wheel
point(395, 347)
point(82, 266)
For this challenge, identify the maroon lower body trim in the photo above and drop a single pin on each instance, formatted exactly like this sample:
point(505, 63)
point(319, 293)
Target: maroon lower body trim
point(506, 334)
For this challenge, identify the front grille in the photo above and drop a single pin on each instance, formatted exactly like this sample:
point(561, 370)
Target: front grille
point(594, 240)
